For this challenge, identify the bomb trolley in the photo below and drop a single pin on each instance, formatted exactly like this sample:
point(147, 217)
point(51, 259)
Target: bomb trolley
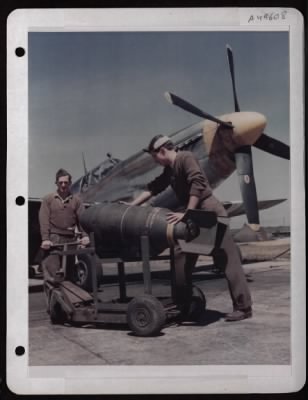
point(145, 314)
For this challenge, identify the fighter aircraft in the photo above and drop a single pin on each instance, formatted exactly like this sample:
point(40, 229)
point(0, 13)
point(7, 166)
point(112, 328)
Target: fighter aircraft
point(222, 145)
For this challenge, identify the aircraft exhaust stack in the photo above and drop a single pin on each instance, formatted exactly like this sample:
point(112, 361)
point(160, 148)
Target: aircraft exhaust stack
point(117, 229)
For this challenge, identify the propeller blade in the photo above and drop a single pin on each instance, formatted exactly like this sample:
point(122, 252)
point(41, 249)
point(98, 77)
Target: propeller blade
point(185, 105)
point(273, 146)
point(243, 160)
point(231, 66)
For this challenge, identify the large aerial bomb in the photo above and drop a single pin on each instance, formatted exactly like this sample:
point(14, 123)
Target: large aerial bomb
point(118, 229)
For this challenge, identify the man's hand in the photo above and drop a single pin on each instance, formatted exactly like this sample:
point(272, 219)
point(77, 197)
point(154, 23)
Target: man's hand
point(126, 203)
point(174, 218)
point(84, 241)
point(46, 244)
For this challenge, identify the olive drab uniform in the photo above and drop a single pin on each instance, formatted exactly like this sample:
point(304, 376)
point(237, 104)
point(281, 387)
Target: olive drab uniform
point(187, 179)
point(58, 220)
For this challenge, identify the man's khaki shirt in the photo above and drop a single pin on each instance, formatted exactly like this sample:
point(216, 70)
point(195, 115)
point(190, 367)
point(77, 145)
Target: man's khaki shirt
point(58, 216)
point(185, 177)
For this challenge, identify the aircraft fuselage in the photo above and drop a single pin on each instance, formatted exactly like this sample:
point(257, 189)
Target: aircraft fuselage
point(213, 145)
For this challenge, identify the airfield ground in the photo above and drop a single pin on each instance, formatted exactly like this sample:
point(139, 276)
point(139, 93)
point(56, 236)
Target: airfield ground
point(263, 339)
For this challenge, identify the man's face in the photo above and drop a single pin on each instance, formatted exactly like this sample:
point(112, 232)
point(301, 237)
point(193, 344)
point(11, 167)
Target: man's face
point(160, 156)
point(64, 184)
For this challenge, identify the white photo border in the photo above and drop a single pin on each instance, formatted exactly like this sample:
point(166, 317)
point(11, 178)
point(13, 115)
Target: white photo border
point(23, 379)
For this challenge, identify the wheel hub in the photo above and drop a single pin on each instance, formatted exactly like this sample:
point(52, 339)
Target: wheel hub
point(81, 269)
point(142, 317)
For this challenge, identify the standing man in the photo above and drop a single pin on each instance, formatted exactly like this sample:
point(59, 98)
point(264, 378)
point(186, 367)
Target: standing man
point(183, 172)
point(59, 217)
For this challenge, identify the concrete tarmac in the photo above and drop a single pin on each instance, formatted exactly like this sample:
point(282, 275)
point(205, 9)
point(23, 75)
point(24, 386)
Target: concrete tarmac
point(262, 339)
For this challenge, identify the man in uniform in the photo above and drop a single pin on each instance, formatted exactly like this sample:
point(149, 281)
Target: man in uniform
point(59, 218)
point(183, 172)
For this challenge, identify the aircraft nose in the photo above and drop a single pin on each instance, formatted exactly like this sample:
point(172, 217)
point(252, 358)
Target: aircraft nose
point(248, 127)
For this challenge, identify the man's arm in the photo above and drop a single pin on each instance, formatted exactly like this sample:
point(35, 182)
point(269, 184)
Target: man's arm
point(192, 202)
point(142, 198)
point(44, 215)
point(173, 218)
point(156, 186)
point(197, 184)
point(195, 177)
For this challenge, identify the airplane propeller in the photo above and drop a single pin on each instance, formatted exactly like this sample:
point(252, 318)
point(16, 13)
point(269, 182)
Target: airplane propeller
point(243, 157)
point(243, 161)
point(243, 154)
point(264, 142)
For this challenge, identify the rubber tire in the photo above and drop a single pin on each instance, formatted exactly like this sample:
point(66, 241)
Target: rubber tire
point(145, 315)
point(81, 274)
point(197, 305)
point(57, 314)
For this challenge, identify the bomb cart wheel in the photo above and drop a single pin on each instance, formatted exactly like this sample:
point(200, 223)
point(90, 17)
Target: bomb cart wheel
point(145, 315)
point(57, 314)
point(196, 307)
point(81, 272)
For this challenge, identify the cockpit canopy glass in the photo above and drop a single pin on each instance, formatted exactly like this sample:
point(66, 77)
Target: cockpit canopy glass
point(94, 175)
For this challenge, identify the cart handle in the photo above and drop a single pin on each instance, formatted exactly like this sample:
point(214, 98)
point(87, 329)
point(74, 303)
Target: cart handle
point(64, 244)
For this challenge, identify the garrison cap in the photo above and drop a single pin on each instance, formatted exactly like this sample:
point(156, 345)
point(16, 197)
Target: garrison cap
point(157, 142)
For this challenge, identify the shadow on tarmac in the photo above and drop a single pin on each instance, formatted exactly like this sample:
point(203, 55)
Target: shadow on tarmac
point(208, 317)
point(110, 326)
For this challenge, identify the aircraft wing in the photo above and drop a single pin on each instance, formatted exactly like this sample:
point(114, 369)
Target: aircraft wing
point(236, 208)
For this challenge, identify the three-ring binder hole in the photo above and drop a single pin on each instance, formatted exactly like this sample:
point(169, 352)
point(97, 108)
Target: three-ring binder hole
point(20, 51)
point(20, 350)
point(20, 201)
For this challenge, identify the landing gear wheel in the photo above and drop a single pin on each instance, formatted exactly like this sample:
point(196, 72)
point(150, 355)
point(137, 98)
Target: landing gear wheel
point(57, 314)
point(197, 305)
point(145, 315)
point(81, 273)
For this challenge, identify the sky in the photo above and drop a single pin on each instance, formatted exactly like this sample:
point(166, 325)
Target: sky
point(99, 92)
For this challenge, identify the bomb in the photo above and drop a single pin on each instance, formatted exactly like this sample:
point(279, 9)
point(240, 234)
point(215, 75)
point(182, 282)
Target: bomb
point(118, 228)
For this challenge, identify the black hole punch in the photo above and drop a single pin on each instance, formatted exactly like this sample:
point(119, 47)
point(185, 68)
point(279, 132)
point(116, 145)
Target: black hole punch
point(20, 350)
point(20, 201)
point(20, 51)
